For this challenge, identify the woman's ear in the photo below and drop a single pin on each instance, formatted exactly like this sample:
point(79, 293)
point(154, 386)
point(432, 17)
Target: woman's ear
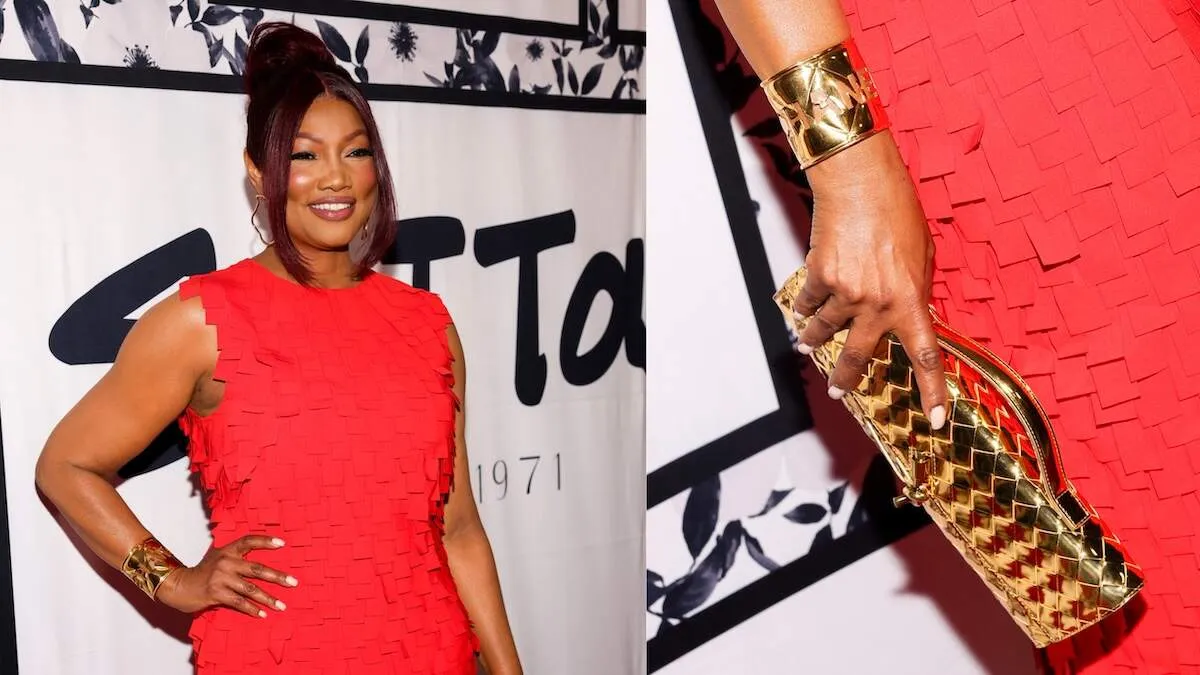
point(252, 172)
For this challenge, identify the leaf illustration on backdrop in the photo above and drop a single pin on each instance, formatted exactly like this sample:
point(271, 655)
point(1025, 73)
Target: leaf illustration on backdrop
point(654, 587)
point(218, 15)
point(36, 22)
point(631, 59)
point(755, 549)
point(361, 74)
point(175, 10)
point(2, 19)
point(593, 21)
point(334, 40)
point(836, 496)
point(558, 70)
point(591, 79)
point(806, 514)
point(572, 78)
point(773, 500)
point(363, 44)
point(88, 15)
point(193, 9)
point(620, 88)
point(824, 538)
point(239, 52)
point(251, 18)
point(486, 46)
point(691, 591)
point(216, 46)
point(514, 81)
point(700, 514)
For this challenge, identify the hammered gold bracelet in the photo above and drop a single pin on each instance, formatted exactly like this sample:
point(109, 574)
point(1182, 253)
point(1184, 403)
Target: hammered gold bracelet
point(826, 103)
point(148, 564)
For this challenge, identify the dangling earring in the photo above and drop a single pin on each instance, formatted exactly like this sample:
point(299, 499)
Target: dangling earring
point(258, 200)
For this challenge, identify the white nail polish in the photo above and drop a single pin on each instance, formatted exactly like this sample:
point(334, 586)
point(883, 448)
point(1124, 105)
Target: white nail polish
point(836, 394)
point(277, 542)
point(291, 581)
point(937, 417)
point(804, 348)
point(279, 605)
point(262, 614)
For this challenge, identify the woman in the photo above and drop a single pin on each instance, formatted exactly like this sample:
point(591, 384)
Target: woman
point(1051, 146)
point(323, 406)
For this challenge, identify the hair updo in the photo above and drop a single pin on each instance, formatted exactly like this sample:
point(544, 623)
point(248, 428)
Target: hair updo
point(287, 68)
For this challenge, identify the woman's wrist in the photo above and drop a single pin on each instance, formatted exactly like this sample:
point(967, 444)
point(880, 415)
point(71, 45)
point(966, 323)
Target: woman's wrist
point(865, 167)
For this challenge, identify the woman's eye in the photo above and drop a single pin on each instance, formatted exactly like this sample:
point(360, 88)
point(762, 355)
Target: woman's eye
point(303, 155)
point(362, 152)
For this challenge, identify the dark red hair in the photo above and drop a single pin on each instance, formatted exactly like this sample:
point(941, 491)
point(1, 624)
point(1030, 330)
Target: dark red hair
point(287, 68)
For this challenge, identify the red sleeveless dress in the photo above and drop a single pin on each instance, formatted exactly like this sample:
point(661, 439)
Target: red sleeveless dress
point(1056, 146)
point(336, 434)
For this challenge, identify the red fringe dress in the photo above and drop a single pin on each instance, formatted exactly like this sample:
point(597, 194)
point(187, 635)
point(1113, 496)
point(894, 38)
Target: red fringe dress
point(336, 434)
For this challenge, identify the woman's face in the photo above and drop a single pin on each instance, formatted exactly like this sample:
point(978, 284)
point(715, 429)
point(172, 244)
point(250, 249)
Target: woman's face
point(332, 186)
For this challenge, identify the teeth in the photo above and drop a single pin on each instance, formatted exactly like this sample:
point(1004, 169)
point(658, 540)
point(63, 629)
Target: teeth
point(332, 207)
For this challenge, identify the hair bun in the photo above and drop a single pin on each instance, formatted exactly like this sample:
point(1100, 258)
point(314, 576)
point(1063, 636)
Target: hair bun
point(278, 50)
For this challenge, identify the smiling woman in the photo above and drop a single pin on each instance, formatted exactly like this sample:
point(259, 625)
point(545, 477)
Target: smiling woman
point(345, 533)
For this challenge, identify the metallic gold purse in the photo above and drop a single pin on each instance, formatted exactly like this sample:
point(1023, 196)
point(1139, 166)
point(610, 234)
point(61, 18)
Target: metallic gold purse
point(991, 480)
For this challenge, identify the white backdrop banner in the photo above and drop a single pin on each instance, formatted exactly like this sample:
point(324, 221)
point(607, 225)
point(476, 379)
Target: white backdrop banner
point(520, 175)
point(772, 542)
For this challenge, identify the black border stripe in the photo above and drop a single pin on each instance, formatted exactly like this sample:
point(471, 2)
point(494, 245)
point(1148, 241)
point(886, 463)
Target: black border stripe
point(676, 641)
point(117, 76)
point(358, 9)
point(715, 456)
point(8, 608)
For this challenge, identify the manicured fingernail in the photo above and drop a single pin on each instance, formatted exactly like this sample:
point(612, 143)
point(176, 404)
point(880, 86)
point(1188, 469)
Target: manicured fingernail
point(836, 394)
point(279, 605)
point(277, 542)
point(262, 614)
point(291, 581)
point(937, 417)
point(797, 316)
point(803, 348)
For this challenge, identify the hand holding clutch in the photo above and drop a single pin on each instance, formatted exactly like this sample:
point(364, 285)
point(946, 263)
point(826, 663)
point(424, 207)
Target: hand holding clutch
point(991, 479)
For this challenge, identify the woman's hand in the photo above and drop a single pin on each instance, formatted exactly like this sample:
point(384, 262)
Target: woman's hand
point(223, 577)
point(870, 266)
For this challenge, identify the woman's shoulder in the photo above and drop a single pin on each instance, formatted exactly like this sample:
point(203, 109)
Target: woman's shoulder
point(409, 298)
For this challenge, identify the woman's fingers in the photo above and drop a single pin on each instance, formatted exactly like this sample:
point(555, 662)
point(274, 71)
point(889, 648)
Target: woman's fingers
point(811, 296)
point(920, 343)
point(230, 598)
point(824, 324)
point(856, 356)
point(256, 570)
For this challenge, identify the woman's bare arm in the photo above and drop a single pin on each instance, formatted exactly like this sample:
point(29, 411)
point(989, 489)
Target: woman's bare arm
point(468, 549)
point(151, 382)
point(870, 260)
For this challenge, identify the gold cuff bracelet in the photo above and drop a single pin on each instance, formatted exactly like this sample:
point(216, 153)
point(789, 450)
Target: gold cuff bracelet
point(148, 564)
point(826, 103)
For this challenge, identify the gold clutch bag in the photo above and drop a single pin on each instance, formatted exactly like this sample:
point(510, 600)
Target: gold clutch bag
point(991, 480)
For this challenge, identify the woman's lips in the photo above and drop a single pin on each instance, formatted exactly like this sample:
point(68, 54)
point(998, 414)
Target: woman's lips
point(333, 211)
